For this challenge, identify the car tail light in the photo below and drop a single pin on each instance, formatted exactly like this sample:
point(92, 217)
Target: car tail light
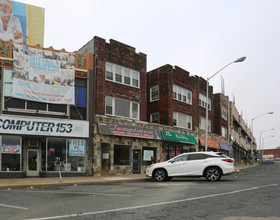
point(228, 160)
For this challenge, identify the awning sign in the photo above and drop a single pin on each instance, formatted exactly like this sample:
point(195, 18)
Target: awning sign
point(128, 131)
point(177, 137)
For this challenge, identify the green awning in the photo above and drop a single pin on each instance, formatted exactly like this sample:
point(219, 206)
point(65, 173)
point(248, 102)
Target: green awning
point(177, 137)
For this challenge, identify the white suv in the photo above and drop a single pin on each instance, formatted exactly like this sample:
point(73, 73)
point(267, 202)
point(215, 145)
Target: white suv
point(211, 165)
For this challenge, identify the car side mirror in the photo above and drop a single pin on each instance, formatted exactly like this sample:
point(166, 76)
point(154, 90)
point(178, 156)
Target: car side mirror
point(171, 161)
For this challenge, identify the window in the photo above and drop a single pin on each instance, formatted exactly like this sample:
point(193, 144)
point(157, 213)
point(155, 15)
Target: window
point(181, 158)
point(224, 132)
point(154, 117)
point(182, 94)
point(121, 155)
point(8, 82)
point(11, 153)
point(224, 113)
point(149, 153)
point(70, 152)
point(109, 71)
point(197, 156)
point(154, 94)
point(127, 76)
point(118, 74)
point(182, 120)
point(202, 101)
point(121, 107)
point(202, 124)
point(123, 75)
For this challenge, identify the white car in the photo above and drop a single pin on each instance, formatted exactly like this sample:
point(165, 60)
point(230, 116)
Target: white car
point(211, 165)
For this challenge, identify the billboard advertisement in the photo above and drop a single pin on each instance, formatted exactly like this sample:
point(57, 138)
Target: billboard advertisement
point(43, 75)
point(21, 22)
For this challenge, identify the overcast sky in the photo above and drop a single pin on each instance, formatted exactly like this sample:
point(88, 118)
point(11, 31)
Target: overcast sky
point(200, 36)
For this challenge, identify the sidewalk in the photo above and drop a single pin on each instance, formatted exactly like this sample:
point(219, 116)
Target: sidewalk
point(38, 182)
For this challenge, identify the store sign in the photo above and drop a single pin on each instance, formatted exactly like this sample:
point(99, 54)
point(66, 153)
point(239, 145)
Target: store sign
point(210, 143)
point(39, 126)
point(128, 131)
point(226, 147)
point(11, 149)
point(77, 147)
point(43, 75)
point(177, 137)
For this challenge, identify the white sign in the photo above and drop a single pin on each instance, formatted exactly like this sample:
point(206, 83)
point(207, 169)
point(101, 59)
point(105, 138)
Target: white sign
point(148, 154)
point(40, 126)
point(43, 75)
point(77, 147)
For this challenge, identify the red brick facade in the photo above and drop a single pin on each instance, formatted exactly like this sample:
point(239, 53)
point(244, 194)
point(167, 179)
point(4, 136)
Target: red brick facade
point(220, 101)
point(123, 55)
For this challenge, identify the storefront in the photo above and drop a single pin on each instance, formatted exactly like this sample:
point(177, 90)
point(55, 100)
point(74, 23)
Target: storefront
point(212, 145)
point(124, 149)
point(176, 143)
point(42, 147)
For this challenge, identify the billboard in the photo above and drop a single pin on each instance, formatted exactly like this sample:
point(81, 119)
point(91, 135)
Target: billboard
point(43, 75)
point(21, 22)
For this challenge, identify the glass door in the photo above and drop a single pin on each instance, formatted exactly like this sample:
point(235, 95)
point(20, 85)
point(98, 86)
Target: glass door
point(32, 162)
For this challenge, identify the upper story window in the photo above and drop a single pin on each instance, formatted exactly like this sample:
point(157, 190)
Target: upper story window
point(224, 132)
point(154, 117)
point(202, 124)
point(182, 120)
point(224, 113)
point(154, 94)
point(202, 101)
point(121, 107)
point(123, 75)
point(182, 94)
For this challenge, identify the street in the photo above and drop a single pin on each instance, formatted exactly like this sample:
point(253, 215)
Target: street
point(248, 194)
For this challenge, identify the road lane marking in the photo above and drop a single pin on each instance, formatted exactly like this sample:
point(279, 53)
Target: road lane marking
point(12, 206)
point(153, 204)
point(81, 193)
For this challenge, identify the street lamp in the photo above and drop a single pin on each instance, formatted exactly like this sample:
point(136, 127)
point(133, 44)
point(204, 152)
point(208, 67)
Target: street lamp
point(252, 125)
point(263, 143)
point(261, 136)
point(241, 59)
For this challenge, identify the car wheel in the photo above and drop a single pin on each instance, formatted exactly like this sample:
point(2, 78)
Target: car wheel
point(213, 174)
point(160, 175)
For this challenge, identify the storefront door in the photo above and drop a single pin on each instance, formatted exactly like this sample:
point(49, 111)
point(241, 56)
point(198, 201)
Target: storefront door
point(136, 161)
point(32, 162)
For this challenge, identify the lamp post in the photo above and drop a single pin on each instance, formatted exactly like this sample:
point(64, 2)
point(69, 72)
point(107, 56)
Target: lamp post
point(261, 136)
point(263, 143)
point(252, 125)
point(241, 59)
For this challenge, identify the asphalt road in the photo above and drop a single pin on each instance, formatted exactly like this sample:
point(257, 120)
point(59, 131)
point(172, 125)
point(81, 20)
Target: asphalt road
point(249, 194)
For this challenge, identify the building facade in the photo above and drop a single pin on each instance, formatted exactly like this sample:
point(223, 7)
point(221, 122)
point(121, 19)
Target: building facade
point(43, 138)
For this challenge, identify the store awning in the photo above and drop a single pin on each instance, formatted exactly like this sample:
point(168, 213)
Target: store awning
point(210, 143)
point(177, 137)
point(226, 147)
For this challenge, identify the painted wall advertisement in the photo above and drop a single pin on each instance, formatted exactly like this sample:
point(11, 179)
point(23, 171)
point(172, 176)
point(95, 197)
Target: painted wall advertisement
point(44, 76)
point(76, 147)
point(21, 22)
point(40, 126)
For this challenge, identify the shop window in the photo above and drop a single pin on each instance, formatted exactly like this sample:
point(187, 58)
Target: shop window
point(71, 153)
point(170, 150)
point(11, 153)
point(149, 156)
point(56, 150)
point(121, 155)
